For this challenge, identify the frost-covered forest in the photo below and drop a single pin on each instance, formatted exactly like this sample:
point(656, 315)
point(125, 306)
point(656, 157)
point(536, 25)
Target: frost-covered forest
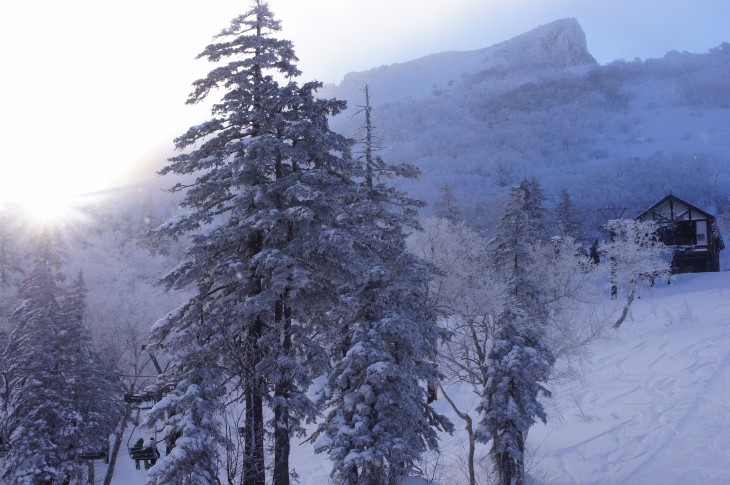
point(385, 281)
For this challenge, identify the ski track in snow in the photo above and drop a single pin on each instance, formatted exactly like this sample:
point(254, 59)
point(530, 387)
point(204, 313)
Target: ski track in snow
point(654, 406)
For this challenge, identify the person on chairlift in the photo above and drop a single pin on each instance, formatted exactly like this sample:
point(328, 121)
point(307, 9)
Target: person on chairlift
point(151, 454)
point(138, 446)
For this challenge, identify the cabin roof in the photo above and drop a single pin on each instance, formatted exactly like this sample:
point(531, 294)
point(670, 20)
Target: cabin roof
point(653, 209)
point(691, 214)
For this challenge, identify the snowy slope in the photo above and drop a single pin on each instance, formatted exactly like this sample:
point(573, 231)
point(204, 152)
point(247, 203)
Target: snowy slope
point(653, 403)
point(618, 135)
point(652, 406)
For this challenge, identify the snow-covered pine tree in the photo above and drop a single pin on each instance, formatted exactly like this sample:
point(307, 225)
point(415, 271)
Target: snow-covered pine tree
point(41, 418)
point(379, 422)
point(92, 386)
point(446, 206)
point(566, 217)
point(10, 260)
point(270, 254)
point(519, 363)
point(190, 412)
point(4, 388)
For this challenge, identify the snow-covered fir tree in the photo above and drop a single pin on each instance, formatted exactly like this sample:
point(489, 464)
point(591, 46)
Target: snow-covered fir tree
point(10, 260)
point(379, 422)
point(272, 252)
point(192, 431)
point(92, 385)
point(519, 362)
point(238, 205)
point(39, 419)
point(4, 390)
point(54, 409)
point(446, 206)
point(566, 217)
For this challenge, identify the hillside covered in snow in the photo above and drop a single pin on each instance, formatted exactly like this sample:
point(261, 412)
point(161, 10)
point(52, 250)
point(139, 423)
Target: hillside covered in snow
point(652, 405)
point(623, 134)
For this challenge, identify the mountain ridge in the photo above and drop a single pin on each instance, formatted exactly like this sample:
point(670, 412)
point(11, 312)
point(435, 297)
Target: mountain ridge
point(624, 134)
point(559, 44)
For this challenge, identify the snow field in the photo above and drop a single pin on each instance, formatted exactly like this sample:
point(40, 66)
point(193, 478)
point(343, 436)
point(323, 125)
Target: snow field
point(652, 405)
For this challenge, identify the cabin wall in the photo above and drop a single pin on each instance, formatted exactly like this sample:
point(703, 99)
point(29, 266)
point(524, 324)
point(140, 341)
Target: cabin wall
point(691, 232)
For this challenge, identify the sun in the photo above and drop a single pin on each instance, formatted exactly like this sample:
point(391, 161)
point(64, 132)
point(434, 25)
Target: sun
point(40, 203)
point(45, 193)
point(48, 208)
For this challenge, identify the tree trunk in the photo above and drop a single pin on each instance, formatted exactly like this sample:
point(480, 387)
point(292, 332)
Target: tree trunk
point(625, 312)
point(470, 433)
point(282, 392)
point(117, 444)
point(254, 471)
point(510, 463)
point(281, 440)
point(510, 467)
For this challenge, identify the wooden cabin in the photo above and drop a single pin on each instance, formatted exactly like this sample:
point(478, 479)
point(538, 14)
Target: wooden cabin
point(692, 232)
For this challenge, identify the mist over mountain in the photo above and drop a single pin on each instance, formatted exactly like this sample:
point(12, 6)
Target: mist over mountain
point(618, 135)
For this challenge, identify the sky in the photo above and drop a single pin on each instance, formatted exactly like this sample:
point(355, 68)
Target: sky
point(89, 88)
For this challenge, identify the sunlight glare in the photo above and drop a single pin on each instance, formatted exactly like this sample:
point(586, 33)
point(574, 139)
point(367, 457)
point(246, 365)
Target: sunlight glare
point(48, 209)
point(44, 200)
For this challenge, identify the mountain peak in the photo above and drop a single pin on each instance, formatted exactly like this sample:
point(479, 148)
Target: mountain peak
point(560, 44)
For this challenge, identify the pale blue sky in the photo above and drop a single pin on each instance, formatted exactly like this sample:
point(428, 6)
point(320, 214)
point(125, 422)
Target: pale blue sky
point(88, 87)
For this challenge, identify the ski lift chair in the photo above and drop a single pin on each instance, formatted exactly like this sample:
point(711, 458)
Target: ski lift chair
point(94, 455)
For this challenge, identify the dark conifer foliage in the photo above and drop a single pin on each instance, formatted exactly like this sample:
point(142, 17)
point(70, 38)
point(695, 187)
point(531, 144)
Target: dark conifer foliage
point(297, 250)
point(379, 421)
point(269, 255)
point(519, 362)
point(446, 206)
point(566, 217)
point(59, 401)
point(11, 266)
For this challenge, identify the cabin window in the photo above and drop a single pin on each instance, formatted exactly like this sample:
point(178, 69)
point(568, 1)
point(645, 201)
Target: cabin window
point(680, 233)
point(701, 232)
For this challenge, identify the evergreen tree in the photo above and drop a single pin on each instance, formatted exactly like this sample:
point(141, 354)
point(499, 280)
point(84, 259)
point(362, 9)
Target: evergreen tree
point(270, 254)
point(519, 363)
point(522, 225)
point(4, 389)
point(566, 217)
point(284, 239)
point(191, 410)
point(10, 260)
point(446, 205)
point(40, 417)
point(379, 422)
point(60, 399)
point(92, 386)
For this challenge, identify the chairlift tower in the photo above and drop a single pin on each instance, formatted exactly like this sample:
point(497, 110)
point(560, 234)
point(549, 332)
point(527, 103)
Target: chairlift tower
point(611, 213)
